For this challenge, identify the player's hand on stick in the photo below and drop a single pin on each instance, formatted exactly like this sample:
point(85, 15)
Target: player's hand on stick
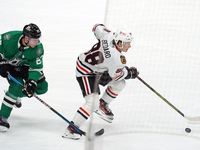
point(30, 87)
point(132, 73)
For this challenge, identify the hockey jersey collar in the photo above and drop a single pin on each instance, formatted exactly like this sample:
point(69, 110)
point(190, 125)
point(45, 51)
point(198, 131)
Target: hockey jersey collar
point(20, 47)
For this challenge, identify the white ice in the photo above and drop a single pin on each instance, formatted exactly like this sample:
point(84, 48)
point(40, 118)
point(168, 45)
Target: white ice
point(165, 51)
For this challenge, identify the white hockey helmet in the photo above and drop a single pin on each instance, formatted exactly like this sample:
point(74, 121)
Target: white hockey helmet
point(123, 36)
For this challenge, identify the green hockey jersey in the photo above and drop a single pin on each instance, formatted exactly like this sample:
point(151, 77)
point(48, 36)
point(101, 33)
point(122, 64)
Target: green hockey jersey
point(11, 52)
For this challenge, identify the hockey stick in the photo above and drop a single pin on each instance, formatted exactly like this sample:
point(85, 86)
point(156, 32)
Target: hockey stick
point(98, 133)
point(186, 117)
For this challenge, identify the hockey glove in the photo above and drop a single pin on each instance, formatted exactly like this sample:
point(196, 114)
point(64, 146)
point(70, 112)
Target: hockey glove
point(30, 87)
point(3, 70)
point(132, 73)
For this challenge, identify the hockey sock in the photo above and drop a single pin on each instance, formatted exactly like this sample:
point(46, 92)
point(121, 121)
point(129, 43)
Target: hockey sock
point(113, 90)
point(7, 105)
point(80, 117)
point(84, 112)
point(109, 95)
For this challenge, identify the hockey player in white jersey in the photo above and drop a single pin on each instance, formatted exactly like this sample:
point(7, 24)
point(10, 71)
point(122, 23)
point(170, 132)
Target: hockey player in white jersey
point(103, 64)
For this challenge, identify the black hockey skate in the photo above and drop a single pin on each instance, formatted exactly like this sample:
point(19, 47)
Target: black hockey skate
point(71, 133)
point(105, 112)
point(4, 125)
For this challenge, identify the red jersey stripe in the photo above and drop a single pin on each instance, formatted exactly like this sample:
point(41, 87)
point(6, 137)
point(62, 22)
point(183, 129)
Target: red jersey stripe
point(86, 85)
point(111, 92)
point(81, 67)
point(84, 111)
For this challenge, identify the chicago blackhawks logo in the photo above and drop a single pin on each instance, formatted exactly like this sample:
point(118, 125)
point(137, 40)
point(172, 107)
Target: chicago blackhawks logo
point(123, 59)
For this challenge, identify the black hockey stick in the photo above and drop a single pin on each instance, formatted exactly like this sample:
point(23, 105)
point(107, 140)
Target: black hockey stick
point(98, 133)
point(186, 117)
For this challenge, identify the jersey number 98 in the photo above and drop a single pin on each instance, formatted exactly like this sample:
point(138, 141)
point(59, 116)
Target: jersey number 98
point(94, 56)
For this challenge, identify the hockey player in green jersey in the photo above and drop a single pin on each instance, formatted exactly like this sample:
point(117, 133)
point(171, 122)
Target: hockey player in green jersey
point(21, 55)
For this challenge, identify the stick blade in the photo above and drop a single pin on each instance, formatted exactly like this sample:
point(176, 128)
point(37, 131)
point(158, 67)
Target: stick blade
point(193, 120)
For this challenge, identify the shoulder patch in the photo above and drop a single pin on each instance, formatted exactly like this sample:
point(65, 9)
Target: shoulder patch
point(123, 59)
point(39, 51)
point(7, 37)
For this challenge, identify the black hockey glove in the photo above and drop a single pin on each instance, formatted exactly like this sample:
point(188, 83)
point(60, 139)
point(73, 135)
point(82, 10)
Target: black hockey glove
point(132, 73)
point(30, 87)
point(3, 70)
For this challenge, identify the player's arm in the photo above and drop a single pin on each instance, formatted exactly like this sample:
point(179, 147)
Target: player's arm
point(118, 69)
point(124, 73)
point(35, 71)
point(118, 73)
point(100, 30)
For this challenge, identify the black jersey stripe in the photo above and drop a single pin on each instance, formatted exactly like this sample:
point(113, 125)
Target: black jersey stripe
point(84, 65)
point(80, 71)
point(82, 114)
point(9, 102)
point(110, 94)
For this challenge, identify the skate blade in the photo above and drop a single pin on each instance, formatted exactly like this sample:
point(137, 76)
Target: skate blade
point(3, 129)
point(104, 117)
point(71, 137)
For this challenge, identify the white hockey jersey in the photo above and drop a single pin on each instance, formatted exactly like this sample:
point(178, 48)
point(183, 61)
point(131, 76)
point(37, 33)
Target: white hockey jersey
point(103, 56)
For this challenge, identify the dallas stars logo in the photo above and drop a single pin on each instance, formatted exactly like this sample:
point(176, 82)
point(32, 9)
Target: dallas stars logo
point(7, 37)
point(39, 51)
point(15, 61)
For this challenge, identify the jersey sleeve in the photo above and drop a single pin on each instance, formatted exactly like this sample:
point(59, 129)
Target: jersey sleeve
point(117, 69)
point(1, 49)
point(36, 68)
point(36, 63)
point(100, 31)
point(120, 73)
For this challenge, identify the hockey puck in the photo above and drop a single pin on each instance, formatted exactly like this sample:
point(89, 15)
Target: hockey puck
point(188, 130)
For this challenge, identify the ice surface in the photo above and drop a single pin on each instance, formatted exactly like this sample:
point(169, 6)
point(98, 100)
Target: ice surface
point(165, 51)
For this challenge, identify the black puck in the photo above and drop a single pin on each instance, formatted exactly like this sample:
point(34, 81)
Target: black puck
point(188, 130)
